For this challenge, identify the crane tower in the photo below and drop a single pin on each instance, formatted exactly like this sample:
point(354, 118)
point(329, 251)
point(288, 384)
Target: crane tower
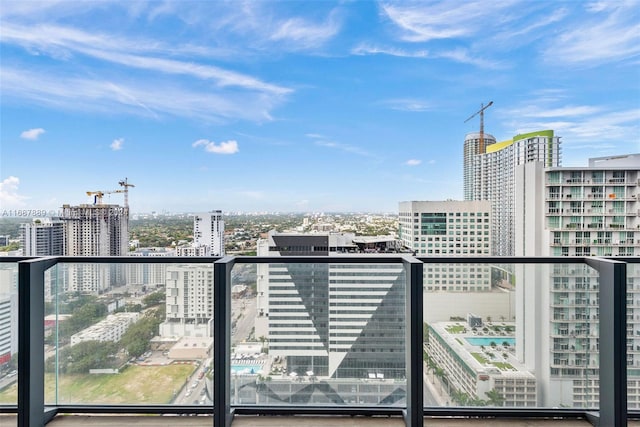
point(481, 148)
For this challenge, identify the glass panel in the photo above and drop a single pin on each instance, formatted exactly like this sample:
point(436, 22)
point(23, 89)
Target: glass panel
point(318, 334)
point(527, 339)
point(129, 333)
point(8, 333)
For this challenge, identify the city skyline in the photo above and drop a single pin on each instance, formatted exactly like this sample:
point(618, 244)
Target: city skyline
point(280, 107)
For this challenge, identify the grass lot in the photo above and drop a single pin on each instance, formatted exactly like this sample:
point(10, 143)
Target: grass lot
point(503, 366)
point(480, 358)
point(455, 329)
point(134, 385)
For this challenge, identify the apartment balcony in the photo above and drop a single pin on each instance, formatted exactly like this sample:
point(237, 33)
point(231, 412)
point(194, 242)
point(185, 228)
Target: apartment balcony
point(308, 341)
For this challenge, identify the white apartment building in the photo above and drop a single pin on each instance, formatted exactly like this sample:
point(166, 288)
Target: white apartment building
point(208, 231)
point(42, 237)
point(449, 228)
point(148, 274)
point(110, 329)
point(189, 299)
point(193, 250)
point(471, 150)
point(575, 211)
point(475, 365)
point(8, 312)
point(494, 179)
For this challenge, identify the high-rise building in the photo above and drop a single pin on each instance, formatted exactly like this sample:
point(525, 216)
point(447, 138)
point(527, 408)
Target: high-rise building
point(574, 211)
point(42, 237)
point(208, 231)
point(449, 228)
point(471, 150)
point(491, 176)
point(95, 230)
point(8, 312)
point(189, 299)
point(335, 320)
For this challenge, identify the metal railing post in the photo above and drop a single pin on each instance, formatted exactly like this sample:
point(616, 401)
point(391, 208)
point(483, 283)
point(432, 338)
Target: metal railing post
point(31, 411)
point(414, 306)
point(222, 341)
point(612, 342)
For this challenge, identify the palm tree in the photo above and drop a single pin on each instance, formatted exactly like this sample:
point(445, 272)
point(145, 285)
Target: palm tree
point(431, 364)
point(439, 372)
point(495, 398)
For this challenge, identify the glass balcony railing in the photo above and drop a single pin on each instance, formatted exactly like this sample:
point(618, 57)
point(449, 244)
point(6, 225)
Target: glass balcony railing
point(370, 335)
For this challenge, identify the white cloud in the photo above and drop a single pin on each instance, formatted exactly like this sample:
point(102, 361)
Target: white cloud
point(611, 34)
point(411, 105)
point(463, 56)
point(413, 162)
point(365, 49)
point(421, 21)
point(9, 196)
point(117, 144)
point(32, 134)
point(225, 147)
point(139, 97)
point(306, 34)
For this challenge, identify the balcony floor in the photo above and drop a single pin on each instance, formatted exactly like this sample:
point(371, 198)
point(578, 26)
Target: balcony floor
point(298, 421)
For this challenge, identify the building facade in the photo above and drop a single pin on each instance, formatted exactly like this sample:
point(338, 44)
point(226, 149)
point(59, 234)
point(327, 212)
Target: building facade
point(334, 320)
point(470, 150)
point(43, 237)
point(208, 231)
point(95, 230)
point(589, 211)
point(494, 179)
point(449, 228)
point(110, 329)
point(189, 301)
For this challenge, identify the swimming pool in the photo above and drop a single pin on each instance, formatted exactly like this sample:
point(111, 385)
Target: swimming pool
point(486, 341)
point(246, 369)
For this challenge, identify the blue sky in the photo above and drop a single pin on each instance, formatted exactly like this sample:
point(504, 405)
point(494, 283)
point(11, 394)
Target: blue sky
point(300, 105)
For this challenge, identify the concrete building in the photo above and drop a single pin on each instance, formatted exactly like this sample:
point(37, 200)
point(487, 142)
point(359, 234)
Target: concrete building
point(189, 299)
point(208, 231)
point(8, 312)
point(153, 275)
point(574, 211)
point(110, 329)
point(476, 365)
point(43, 237)
point(335, 320)
point(449, 228)
point(470, 151)
point(192, 250)
point(95, 230)
point(493, 179)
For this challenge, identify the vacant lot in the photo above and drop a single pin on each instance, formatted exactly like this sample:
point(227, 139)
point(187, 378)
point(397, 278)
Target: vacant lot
point(134, 385)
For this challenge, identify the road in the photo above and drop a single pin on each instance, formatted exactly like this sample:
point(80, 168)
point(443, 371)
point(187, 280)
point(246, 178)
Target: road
point(246, 308)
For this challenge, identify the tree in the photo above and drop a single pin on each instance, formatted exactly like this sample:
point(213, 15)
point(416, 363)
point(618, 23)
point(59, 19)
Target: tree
point(495, 398)
point(155, 298)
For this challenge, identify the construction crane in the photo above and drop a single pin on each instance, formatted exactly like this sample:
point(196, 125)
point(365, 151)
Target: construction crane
point(481, 148)
point(126, 185)
point(98, 195)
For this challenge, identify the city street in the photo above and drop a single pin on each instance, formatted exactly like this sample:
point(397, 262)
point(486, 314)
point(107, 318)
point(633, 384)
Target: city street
point(246, 307)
